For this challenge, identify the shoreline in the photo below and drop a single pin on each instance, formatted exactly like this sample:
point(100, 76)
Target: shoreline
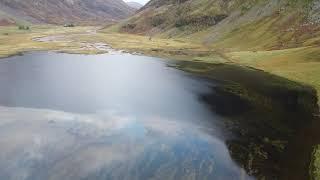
point(81, 40)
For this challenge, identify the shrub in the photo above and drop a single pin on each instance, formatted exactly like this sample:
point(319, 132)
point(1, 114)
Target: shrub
point(180, 22)
point(69, 25)
point(200, 21)
point(22, 27)
point(129, 26)
point(157, 20)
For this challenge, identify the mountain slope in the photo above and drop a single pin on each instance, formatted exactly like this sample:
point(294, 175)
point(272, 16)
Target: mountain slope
point(272, 24)
point(67, 11)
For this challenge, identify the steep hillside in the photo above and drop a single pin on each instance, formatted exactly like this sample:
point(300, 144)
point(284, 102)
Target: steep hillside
point(241, 24)
point(67, 11)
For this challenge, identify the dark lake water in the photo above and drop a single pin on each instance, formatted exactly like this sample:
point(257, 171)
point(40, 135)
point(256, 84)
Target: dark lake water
point(107, 117)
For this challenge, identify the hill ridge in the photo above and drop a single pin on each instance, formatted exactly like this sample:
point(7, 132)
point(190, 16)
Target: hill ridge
point(90, 12)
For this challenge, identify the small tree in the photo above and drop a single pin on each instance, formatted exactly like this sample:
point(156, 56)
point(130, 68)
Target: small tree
point(22, 27)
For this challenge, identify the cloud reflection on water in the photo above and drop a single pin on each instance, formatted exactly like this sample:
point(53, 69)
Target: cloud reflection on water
point(45, 144)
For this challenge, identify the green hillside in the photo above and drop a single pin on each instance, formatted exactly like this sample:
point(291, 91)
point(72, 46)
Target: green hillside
point(275, 24)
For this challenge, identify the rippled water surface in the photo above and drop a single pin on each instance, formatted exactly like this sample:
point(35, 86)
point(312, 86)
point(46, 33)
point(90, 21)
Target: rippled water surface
point(107, 117)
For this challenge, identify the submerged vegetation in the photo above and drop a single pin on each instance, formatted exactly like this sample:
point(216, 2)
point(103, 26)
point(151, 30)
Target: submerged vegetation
point(265, 112)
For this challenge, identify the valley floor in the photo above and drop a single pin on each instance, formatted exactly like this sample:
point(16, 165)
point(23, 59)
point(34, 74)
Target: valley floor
point(297, 64)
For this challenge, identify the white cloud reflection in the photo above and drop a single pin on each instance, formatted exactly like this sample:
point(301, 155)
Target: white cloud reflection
point(45, 144)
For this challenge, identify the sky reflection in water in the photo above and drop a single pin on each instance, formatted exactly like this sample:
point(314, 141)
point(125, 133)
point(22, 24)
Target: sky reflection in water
point(106, 117)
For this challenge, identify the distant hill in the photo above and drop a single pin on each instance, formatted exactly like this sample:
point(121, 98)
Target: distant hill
point(135, 5)
point(66, 11)
point(245, 24)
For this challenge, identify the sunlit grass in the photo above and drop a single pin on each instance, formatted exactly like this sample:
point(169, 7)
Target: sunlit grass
point(298, 64)
point(14, 41)
point(315, 163)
